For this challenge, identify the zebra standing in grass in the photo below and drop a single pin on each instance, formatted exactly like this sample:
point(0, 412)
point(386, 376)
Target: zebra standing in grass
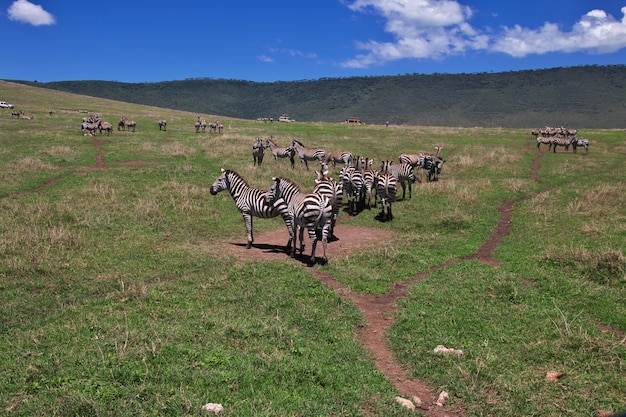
point(344, 157)
point(559, 140)
point(580, 142)
point(370, 176)
point(352, 183)
point(311, 211)
point(258, 149)
point(279, 151)
point(386, 190)
point(250, 201)
point(402, 172)
point(308, 154)
point(332, 189)
point(104, 125)
point(163, 125)
point(542, 140)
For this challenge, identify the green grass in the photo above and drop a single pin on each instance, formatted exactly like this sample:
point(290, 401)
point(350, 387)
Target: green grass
point(118, 298)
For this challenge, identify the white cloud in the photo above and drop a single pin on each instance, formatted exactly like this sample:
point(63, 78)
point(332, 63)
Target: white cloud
point(265, 58)
point(596, 32)
point(435, 29)
point(27, 12)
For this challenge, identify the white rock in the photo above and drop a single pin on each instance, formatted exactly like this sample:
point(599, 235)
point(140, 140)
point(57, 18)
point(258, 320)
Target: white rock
point(405, 403)
point(213, 408)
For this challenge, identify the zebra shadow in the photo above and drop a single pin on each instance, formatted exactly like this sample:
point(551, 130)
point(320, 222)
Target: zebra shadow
point(304, 258)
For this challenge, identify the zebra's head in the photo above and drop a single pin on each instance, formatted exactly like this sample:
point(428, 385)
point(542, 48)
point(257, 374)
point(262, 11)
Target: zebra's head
point(220, 183)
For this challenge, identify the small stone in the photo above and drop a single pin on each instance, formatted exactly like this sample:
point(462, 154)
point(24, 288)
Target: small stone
point(213, 408)
point(405, 403)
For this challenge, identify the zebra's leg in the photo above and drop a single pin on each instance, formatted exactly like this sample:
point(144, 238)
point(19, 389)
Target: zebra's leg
point(301, 240)
point(313, 236)
point(247, 218)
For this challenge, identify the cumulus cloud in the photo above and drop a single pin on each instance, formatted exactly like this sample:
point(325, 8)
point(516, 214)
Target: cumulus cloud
point(27, 12)
point(596, 32)
point(435, 29)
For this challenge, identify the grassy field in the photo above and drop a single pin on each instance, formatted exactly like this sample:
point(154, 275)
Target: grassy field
point(120, 295)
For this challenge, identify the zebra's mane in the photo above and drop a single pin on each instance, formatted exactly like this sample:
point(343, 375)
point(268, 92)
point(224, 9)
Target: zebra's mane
point(298, 142)
point(289, 181)
point(228, 172)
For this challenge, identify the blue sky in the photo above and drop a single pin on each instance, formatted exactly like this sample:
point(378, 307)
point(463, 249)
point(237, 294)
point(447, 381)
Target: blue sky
point(157, 40)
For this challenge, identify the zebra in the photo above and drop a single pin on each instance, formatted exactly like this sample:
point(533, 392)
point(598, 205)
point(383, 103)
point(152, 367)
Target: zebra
point(332, 189)
point(580, 142)
point(163, 125)
point(89, 128)
point(258, 150)
point(280, 152)
point(542, 140)
point(369, 179)
point(402, 172)
point(308, 154)
point(216, 127)
point(104, 125)
point(17, 114)
point(344, 157)
point(126, 124)
point(311, 211)
point(353, 183)
point(559, 140)
point(250, 201)
point(432, 165)
point(386, 189)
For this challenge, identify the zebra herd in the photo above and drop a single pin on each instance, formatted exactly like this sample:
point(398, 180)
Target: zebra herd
point(317, 210)
point(559, 136)
point(215, 126)
point(90, 124)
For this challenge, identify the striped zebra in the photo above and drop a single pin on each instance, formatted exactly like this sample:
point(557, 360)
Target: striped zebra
point(584, 143)
point(559, 140)
point(280, 152)
point(308, 154)
point(542, 140)
point(163, 125)
point(258, 149)
point(352, 183)
point(402, 172)
point(370, 175)
point(332, 189)
point(335, 157)
point(250, 201)
point(386, 190)
point(311, 211)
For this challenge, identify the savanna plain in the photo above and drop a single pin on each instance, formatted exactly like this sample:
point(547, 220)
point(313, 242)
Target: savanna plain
point(124, 289)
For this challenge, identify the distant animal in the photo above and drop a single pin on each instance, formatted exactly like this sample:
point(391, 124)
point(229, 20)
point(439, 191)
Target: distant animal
point(250, 202)
point(543, 140)
point(559, 140)
point(89, 128)
point(162, 124)
point(216, 126)
point(280, 152)
point(584, 143)
point(308, 154)
point(311, 211)
point(106, 126)
point(402, 172)
point(258, 149)
point(16, 113)
point(335, 157)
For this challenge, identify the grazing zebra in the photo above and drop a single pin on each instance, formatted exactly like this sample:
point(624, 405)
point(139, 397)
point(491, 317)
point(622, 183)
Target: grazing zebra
point(311, 211)
point(432, 165)
point(280, 152)
point(353, 183)
point(258, 149)
point(104, 125)
point(542, 140)
point(344, 157)
point(559, 140)
point(89, 128)
point(386, 190)
point(250, 201)
point(308, 154)
point(126, 124)
point(580, 142)
point(332, 189)
point(163, 125)
point(402, 172)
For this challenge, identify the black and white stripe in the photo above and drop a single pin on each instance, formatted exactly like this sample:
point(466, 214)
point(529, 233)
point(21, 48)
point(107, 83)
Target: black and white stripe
point(311, 211)
point(250, 201)
point(403, 173)
point(386, 190)
point(308, 154)
point(258, 150)
point(332, 189)
point(353, 184)
point(559, 140)
point(280, 152)
point(583, 143)
point(342, 157)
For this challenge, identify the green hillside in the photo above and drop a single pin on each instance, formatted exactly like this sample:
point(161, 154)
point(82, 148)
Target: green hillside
point(583, 97)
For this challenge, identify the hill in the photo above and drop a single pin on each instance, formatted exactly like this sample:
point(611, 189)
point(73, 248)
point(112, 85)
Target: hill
point(585, 96)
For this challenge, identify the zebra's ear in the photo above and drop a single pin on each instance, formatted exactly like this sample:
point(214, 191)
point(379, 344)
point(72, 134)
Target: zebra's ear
point(223, 170)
